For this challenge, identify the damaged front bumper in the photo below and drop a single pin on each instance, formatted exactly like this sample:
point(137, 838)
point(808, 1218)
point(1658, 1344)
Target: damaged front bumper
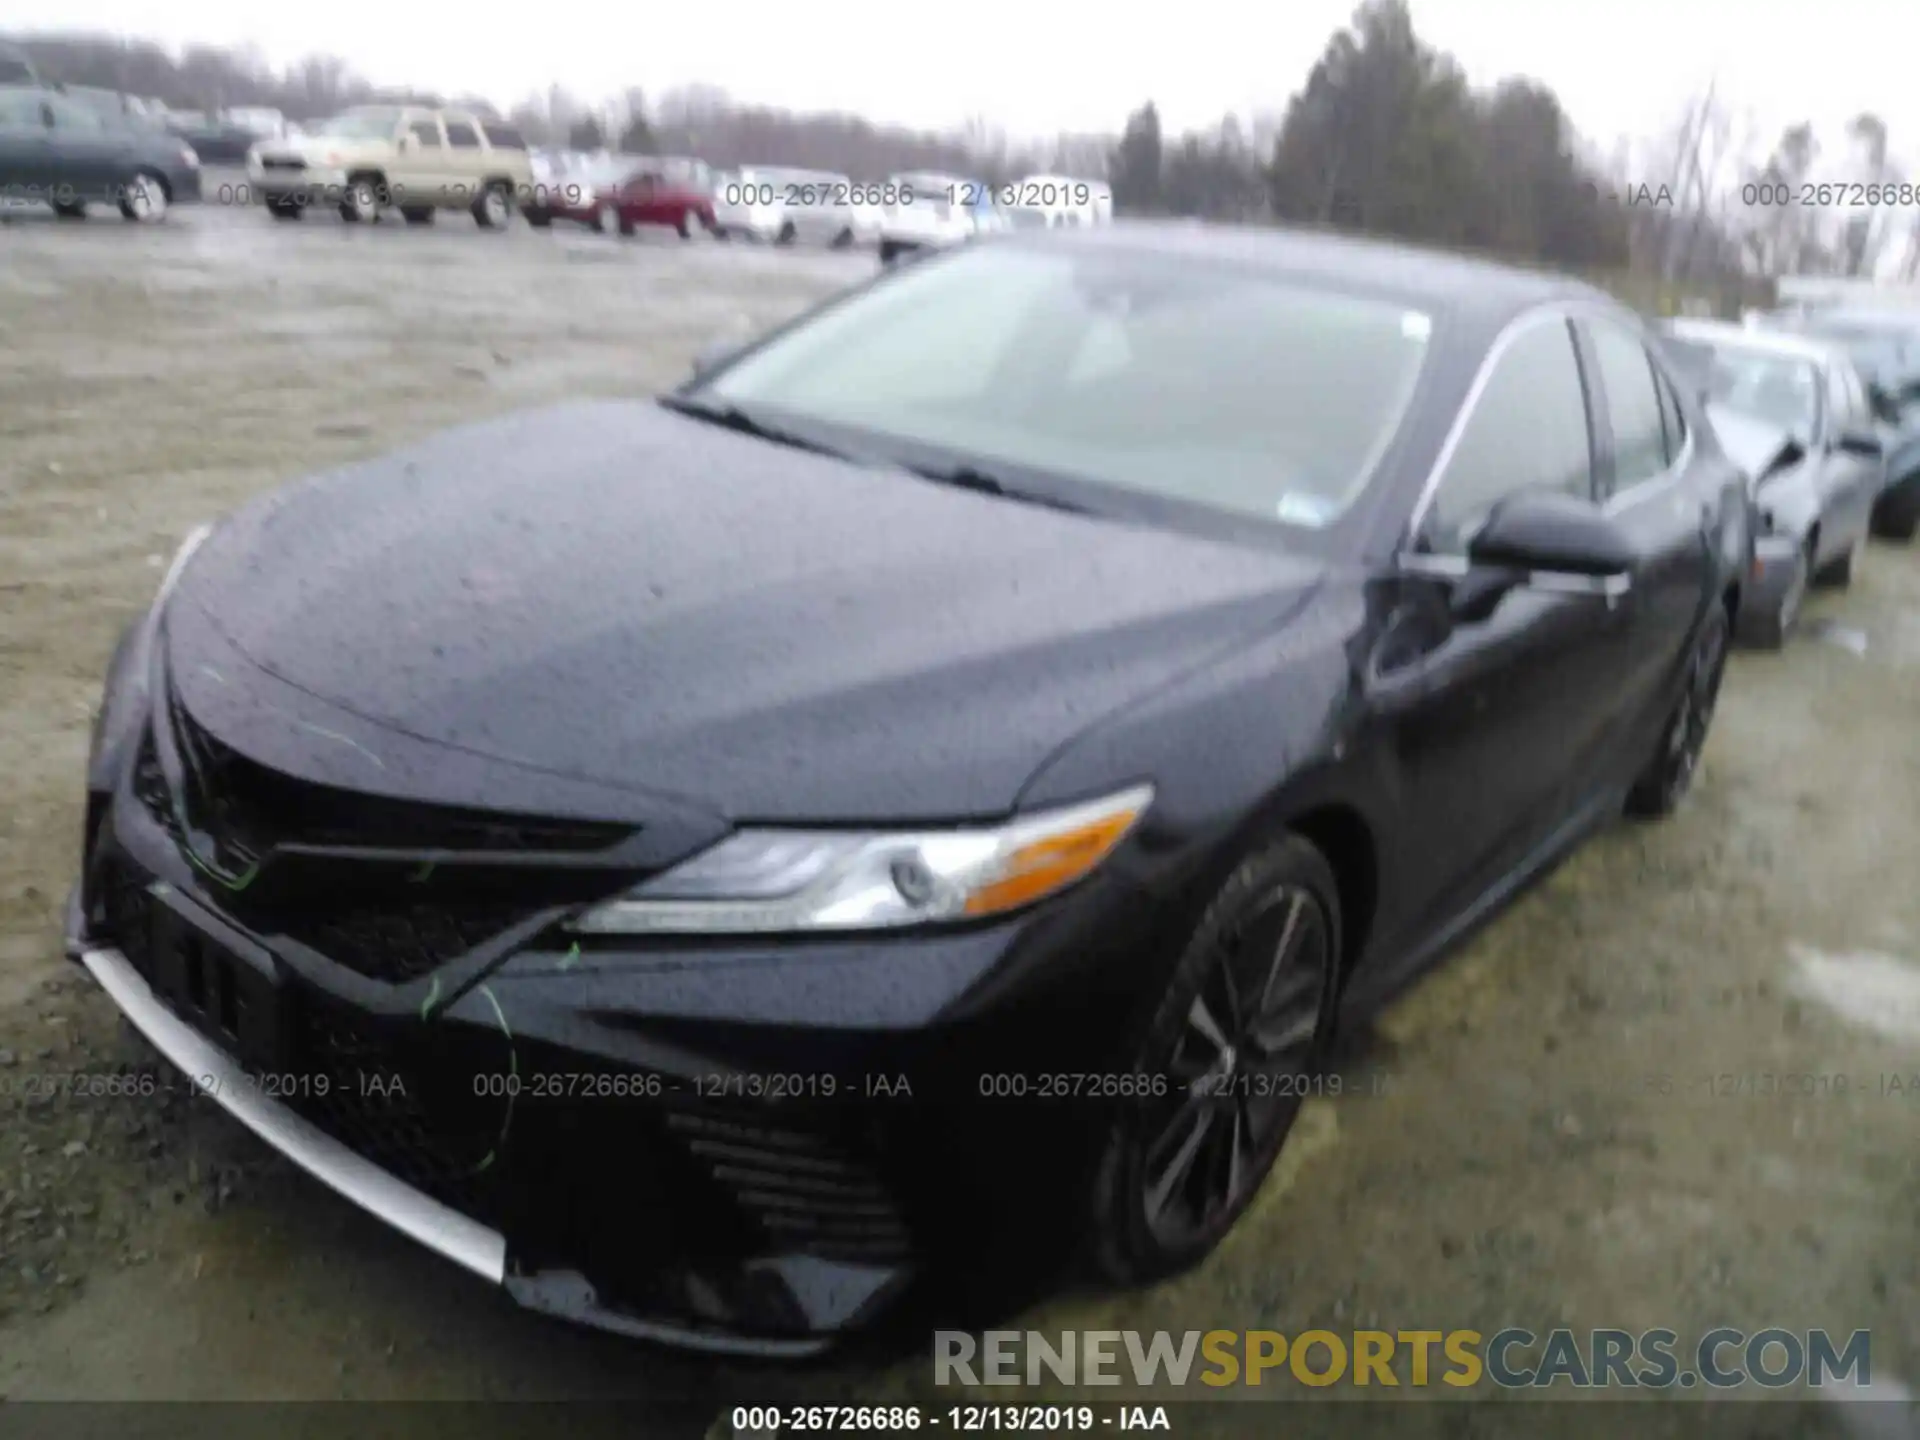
point(756, 1147)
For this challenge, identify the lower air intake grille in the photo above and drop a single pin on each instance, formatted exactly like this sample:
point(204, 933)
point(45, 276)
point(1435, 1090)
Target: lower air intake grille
point(806, 1191)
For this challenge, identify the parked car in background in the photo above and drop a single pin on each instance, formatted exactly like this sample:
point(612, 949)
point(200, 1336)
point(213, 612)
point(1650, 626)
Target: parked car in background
point(932, 211)
point(1885, 346)
point(1794, 412)
point(65, 154)
point(413, 158)
point(621, 199)
point(750, 204)
point(816, 208)
point(262, 122)
point(217, 141)
point(17, 67)
point(1062, 199)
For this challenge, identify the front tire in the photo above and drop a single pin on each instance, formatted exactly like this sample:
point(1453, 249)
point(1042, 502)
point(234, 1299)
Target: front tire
point(361, 206)
point(144, 200)
point(1897, 516)
point(493, 207)
point(1669, 774)
point(1242, 1026)
point(1837, 574)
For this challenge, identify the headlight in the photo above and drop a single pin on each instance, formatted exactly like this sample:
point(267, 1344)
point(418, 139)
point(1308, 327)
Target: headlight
point(785, 881)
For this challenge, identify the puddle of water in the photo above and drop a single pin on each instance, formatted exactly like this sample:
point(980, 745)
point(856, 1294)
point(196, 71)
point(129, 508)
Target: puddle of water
point(1847, 637)
point(1875, 991)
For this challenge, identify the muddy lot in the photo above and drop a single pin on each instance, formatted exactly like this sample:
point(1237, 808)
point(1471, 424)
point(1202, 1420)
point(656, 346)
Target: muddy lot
point(1552, 1129)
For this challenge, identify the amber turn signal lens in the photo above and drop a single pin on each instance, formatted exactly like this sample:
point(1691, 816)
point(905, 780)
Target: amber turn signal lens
point(1043, 866)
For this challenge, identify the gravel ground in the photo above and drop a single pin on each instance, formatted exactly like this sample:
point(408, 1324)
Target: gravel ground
point(1512, 1155)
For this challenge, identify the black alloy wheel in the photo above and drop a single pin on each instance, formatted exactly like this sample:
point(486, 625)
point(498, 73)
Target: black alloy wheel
point(1668, 777)
point(1238, 1038)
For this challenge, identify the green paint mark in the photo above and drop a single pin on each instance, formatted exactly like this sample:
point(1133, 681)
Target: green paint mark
point(233, 885)
point(433, 994)
point(572, 957)
point(513, 1080)
point(419, 876)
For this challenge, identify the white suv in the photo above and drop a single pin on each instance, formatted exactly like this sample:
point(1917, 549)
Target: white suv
point(415, 158)
point(931, 212)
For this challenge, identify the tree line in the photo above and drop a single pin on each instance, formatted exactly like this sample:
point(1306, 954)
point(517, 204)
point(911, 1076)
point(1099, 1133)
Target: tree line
point(1385, 136)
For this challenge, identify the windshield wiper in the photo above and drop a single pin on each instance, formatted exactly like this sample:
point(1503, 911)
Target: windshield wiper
point(972, 477)
point(732, 417)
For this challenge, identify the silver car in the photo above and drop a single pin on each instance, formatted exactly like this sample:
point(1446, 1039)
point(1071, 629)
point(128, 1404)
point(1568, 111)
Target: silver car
point(1794, 413)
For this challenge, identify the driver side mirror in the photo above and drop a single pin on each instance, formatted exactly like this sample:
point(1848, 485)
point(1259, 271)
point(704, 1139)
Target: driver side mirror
point(1554, 535)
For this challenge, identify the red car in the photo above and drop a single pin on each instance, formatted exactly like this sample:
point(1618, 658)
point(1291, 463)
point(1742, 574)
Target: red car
point(622, 203)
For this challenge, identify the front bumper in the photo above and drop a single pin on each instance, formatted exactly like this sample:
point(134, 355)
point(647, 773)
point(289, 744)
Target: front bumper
point(1770, 574)
point(638, 1138)
point(314, 185)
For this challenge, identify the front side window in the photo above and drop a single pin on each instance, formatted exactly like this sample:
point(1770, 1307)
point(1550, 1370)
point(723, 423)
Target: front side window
point(22, 110)
point(1208, 386)
point(1633, 405)
point(1527, 431)
point(74, 119)
point(426, 133)
point(462, 136)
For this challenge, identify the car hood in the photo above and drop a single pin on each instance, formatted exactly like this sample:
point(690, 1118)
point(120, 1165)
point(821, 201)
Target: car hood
point(617, 594)
point(1762, 450)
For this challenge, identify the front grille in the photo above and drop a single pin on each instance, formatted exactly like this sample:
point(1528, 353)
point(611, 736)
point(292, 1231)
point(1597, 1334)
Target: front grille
point(278, 162)
point(384, 1105)
point(402, 943)
point(127, 911)
point(808, 1190)
point(261, 807)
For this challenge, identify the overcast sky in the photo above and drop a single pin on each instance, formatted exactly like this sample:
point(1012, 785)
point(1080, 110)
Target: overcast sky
point(1039, 67)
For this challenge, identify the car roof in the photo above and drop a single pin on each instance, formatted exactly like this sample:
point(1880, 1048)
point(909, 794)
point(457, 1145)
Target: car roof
point(1483, 289)
point(1787, 343)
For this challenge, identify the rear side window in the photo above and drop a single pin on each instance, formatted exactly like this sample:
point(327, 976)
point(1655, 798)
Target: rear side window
point(1527, 431)
point(462, 136)
point(1633, 405)
point(503, 137)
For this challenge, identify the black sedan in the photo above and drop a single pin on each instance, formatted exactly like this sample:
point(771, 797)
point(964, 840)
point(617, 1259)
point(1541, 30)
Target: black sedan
point(56, 151)
point(914, 804)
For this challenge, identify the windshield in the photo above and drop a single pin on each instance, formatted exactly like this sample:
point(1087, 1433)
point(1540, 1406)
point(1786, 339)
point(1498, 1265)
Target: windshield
point(359, 124)
point(1783, 390)
point(1176, 381)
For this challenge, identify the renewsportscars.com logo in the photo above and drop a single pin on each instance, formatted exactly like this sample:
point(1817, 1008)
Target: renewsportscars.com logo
point(1513, 1359)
